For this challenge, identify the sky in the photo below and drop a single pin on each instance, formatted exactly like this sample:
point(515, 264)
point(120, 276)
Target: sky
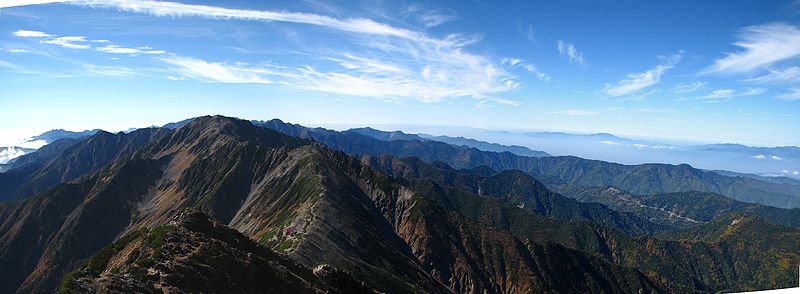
point(700, 71)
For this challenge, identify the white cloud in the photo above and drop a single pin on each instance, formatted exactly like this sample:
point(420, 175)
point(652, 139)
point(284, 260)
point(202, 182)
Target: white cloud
point(729, 93)
point(609, 142)
point(719, 94)
point(778, 76)
point(9, 153)
point(532, 69)
point(576, 112)
point(31, 34)
point(643, 95)
point(429, 17)
point(111, 71)
point(511, 61)
point(536, 72)
point(638, 81)
point(775, 157)
point(760, 156)
point(753, 91)
point(72, 42)
point(81, 42)
point(17, 50)
point(793, 94)
point(215, 72)
point(569, 50)
point(125, 50)
point(763, 45)
point(15, 3)
point(430, 85)
point(796, 173)
point(689, 87)
point(175, 9)
point(432, 68)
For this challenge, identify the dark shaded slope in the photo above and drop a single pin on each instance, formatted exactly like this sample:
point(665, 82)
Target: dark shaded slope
point(680, 208)
point(44, 154)
point(470, 257)
point(79, 158)
point(708, 265)
point(516, 188)
point(194, 253)
point(755, 250)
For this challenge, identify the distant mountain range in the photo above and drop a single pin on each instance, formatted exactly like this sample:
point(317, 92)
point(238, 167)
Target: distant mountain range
point(638, 179)
point(765, 161)
point(220, 204)
point(458, 141)
point(7, 154)
point(53, 135)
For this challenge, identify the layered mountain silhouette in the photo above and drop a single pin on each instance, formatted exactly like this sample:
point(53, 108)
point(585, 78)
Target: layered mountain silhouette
point(222, 205)
point(553, 170)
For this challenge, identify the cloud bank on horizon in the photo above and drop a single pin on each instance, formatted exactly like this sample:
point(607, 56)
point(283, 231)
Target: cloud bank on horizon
point(431, 54)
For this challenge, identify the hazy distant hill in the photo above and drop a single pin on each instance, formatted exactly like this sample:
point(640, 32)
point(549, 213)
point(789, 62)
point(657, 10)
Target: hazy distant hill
point(56, 134)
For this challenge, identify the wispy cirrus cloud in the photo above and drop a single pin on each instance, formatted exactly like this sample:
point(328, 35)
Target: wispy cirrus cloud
point(721, 94)
point(576, 112)
point(425, 67)
point(82, 42)
point(636, 82)
point(530, 68)
point(16, 3)
point(175, 9)
point(217, 72)
point(792, 94)
point(689, 87)
point(429, 17)
point(762, 45)
point(586, 112)
point(769, 55)
point(778, 76)
point(72, 42)
point(127, 50)
point(112, 71)
point(568, 49)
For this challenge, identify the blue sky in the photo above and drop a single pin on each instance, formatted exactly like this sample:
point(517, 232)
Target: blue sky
point(706, 71)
